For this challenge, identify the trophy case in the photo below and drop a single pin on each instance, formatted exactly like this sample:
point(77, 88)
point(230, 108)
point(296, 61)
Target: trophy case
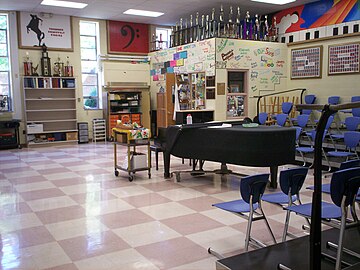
point(236, 95)
point(191, 91)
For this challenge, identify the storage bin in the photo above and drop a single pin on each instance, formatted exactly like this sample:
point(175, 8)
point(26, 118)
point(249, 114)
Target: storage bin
point(71, 136)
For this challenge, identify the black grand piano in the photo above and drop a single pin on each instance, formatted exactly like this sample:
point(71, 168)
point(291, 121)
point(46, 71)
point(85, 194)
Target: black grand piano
point(261, 146)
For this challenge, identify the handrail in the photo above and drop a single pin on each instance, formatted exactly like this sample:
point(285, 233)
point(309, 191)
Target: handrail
point(276, 93)
point(315, 227)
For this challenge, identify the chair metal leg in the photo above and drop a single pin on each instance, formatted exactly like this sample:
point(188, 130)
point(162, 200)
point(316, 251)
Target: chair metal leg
point(287, 220)
point(283, 267)
point(216, 254)
point(341, 238)
point(267, 223)
point(248, 230)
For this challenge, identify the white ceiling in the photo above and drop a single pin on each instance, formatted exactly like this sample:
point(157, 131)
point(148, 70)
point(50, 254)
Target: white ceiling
point(173, 9)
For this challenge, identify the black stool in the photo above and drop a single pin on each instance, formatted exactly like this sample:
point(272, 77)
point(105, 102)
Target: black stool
point(157, 149)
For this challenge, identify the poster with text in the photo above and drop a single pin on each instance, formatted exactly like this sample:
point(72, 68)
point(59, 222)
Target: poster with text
point(37, 29)
point(127, 38)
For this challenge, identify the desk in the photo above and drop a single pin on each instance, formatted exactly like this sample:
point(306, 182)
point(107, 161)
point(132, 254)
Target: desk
point(9, 134)
point(262, 146)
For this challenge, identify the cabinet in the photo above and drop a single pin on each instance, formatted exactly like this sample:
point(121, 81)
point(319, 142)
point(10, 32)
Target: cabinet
point(123, 104)
point(99, 130)
point(50, 110)
point(83, 132)
point(165, 103)
point(191, 91)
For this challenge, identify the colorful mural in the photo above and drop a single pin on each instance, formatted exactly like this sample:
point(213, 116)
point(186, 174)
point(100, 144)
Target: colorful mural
point(266, 63)
point(317, 14)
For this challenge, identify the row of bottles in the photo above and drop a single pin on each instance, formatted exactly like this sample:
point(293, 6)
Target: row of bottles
point(204, 27)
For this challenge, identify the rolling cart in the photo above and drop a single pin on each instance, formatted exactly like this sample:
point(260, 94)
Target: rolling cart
point(136, 161)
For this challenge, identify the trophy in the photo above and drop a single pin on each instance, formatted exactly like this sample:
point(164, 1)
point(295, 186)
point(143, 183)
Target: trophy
point(256, 28)
point(230, 31)
point(207, 29)
point(186, 30)
point(273, 31)
point(172, 37)
point(221, 25)
point(202, 28)
point(69, 70)
point(213, 23)
point(181, 34)
point(191, 30)
point(238, 25)
point(197, 28)
point(247, 29)
point(28, 69)
point(45, 62)
point(176, 35)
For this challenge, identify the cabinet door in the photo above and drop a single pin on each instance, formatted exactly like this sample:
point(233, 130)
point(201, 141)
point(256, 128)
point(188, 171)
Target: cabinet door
point(161, 110)
point(170, 89)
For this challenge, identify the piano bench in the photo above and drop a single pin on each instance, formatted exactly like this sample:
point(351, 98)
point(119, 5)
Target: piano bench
point(157, 149)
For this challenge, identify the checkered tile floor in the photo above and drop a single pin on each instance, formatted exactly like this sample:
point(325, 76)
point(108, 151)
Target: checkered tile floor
point(63, 208)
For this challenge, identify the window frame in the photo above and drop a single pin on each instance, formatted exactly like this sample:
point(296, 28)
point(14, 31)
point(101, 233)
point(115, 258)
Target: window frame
point(97, 72)
point(9, 99)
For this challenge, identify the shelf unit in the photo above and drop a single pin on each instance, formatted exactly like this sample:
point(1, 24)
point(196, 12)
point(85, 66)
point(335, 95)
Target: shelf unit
point(83, 132)
point(122, 103)
point(99, 130)
point(191, 91)
point(50, 110)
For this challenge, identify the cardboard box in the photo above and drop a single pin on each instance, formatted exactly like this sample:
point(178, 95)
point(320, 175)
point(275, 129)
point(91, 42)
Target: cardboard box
point(121, 137)
point(35, 128)
point(137, 161)
point(71, 136)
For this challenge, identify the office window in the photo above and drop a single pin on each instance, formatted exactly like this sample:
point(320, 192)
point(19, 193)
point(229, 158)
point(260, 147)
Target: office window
point(89, 50)
point(5, 68)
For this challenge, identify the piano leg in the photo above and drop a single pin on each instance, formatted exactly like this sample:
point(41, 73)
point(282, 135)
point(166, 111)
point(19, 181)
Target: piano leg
point(166, 165)
point(273, 176)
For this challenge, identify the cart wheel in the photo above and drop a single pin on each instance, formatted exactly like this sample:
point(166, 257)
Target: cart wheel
point(116, 173)
point(149, 175)
point(177, 175)
point(131, 178)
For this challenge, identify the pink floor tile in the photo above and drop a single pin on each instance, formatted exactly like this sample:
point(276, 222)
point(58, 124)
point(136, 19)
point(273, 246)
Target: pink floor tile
point(94, 172)
point(69, 182)
point(41, 194)
point(11, 209)
point(161, 186)
point(102, 195)
point(86, 246)
point(69, 266)
point(124, 218)
point(61, 214)
point(199, 204)
point(27, 180)
point(172, 253)
point(54, 170)
point(32, 236)
point(146, 199)
point(192, 223)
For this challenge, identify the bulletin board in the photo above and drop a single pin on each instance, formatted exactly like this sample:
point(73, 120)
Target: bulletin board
point(344, 59)
point(306, 63)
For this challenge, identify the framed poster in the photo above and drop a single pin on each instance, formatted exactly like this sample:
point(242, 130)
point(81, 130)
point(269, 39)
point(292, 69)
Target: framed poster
point(344, 59)
point(306, 63)
point(127, 38)
point(37, 29)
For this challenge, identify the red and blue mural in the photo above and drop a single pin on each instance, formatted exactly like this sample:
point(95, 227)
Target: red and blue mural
point(317, 14)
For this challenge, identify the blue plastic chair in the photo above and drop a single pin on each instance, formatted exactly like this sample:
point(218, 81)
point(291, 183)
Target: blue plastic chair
point(291, 181)
point(281, 119)
point(263, 116)
point(355, 112)
point(354, 163)
point(251, 189)
point(310, 99)
point(344, 187)
point(351, 123)
point(286, 107)
point(351, 140)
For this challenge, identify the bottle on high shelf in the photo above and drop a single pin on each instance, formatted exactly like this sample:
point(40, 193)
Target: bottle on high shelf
point(212, 24)
point(238, 24)
point(230, 31)
point(221, 25)
point(256, 28)
point(191, 30)
point(181, 32)
point(186, 30)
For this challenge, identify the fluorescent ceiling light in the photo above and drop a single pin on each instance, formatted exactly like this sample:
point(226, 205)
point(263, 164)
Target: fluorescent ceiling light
point(146, 13)
point(275, 2)
point(67, 4)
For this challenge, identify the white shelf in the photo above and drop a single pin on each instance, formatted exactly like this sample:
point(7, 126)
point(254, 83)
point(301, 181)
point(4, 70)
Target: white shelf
point(48, 99)
point(51, 121)
point(51, 110)
point(53, 131)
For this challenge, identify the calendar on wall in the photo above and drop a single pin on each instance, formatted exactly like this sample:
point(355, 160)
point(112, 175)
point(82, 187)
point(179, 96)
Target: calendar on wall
point(306, 63)
point(344, 59)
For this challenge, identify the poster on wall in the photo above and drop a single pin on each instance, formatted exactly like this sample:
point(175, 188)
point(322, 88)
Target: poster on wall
point(306, 63)
point(127, 38)
point(344, 59)
point(37, 29)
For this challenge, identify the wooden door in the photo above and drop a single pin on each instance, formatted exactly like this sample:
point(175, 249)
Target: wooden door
point(170, 86)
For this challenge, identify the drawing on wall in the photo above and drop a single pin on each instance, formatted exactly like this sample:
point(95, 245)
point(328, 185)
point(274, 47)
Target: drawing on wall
point(344, 59)
point(306, 63)
point(36, 30)
point(317, 14)
point(125, 37)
